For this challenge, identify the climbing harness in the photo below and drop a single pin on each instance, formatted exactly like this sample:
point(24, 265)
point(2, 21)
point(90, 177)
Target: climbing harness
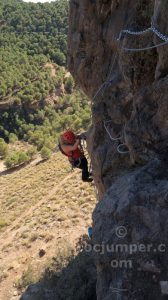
point(70, 156)
point(76, 164)
point(136, 33)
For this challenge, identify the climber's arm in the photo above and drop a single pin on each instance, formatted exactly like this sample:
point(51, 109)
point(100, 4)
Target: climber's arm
point(69, 148)
point(83, 135)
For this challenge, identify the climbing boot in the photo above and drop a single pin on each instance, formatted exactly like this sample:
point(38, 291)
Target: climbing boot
point(88, 180)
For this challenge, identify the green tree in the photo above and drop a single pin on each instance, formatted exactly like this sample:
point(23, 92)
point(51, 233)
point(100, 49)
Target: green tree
point(59, 57)
point(69, 84)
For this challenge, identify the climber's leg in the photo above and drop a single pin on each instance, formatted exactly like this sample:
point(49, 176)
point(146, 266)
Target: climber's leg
point(84, 167)
point(85, 171)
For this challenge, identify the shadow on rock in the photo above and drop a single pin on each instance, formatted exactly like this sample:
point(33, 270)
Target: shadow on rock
point(76, 281)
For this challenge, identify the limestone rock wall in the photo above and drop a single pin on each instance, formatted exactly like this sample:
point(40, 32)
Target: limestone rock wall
point(135, 103)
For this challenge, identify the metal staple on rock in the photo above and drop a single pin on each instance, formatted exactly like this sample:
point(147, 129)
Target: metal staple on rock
point(113, 139)
point(133, 32)
point(109, 80)
point(120, 151)
point(144, 49)
point(130, 32)
point(150, 29)
point(158, 33)
point(127, 31)
point(117, 290)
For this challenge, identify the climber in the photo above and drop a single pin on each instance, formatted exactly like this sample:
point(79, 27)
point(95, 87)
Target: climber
point(70, 145)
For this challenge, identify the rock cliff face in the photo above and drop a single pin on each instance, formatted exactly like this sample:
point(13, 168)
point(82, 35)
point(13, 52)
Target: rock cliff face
point(132, 186)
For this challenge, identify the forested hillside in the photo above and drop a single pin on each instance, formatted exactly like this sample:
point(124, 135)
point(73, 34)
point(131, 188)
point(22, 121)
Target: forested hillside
point(38, 98)
point(35, 28)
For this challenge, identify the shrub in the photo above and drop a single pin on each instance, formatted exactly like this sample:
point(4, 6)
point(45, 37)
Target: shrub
point(49, 142)
point(37, 139)
point(69, 84)
point(31, 152)
point(12, 138)
point(22, 157)
point(27, 278)
point(16, 158)
point(3, 148)
point(3, 223)
point(11, 160)
point(45, 153)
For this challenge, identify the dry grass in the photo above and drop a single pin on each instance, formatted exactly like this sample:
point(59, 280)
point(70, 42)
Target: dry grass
point(57, 208)
point(23, 189)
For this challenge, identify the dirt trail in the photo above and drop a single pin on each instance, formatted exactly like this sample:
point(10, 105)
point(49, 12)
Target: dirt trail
point(5, 238)
point(2, 166)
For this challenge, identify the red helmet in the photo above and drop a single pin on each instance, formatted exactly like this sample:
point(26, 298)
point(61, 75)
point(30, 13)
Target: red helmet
point(69, 137)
